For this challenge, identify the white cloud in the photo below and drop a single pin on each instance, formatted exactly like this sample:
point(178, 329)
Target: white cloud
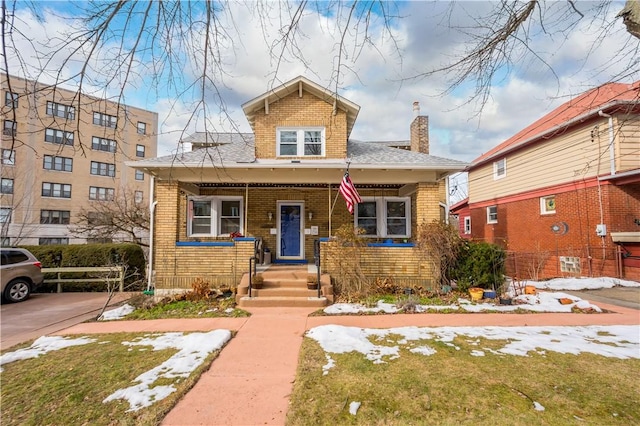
point(374, 75)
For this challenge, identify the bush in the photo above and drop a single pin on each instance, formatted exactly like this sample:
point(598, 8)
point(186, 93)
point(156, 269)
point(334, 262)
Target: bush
point(479, 264)
point(91, 255)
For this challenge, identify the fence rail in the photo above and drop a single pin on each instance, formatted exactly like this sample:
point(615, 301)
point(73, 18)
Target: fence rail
point(112, 274)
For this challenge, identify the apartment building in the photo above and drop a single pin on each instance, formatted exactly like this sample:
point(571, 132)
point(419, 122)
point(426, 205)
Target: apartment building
point(62, 153)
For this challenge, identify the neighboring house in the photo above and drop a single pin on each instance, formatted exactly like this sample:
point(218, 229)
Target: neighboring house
point(462, 215)
point(279, 186)
point(563, 195)
point(63, 151)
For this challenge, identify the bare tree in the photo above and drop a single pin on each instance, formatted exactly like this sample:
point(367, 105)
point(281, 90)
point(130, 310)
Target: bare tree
point(183, 47)
point(125, 218)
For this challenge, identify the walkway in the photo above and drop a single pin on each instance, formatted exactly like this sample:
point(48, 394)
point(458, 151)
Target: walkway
point(250, 382)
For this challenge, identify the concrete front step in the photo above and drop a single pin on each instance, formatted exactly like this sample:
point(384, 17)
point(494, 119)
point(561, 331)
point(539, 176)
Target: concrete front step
point(283, 292)
point(282, 301)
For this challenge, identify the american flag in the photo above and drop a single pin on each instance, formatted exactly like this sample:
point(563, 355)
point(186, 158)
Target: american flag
point(349, 192)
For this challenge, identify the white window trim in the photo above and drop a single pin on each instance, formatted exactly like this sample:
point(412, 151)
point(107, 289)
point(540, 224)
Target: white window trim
point(215, 215)
point(543, 205)
point(467, 225)
point(489, 220)
point(381, 216)
point(497, 176)
point(300, 140)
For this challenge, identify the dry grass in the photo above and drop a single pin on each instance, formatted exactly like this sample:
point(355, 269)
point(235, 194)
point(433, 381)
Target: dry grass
point(453, 387)
point(67, 387)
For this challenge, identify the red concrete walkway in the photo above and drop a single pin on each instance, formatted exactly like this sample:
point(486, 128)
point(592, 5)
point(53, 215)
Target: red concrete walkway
point(250, 382)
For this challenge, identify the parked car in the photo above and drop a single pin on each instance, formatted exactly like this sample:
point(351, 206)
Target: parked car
point(21, 274)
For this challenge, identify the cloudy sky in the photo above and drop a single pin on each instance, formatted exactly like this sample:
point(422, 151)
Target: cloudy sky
point(385, 75)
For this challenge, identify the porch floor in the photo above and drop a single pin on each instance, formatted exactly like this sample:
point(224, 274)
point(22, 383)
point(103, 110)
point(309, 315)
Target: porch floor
point(285, 286)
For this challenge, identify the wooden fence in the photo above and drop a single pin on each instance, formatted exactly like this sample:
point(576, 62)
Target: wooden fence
point(110, 274)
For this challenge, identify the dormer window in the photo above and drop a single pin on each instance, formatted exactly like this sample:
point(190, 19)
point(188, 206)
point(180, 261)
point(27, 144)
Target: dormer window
point(300, 142)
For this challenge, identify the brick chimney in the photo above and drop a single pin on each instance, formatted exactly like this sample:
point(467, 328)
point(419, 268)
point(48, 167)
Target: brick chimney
point(419, 131)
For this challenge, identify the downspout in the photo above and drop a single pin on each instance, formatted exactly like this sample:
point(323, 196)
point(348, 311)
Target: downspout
point(152, 209)
point(447, 199)
point(612, 157)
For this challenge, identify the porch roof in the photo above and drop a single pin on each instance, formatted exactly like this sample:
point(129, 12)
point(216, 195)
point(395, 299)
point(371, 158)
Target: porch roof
point(238, 160)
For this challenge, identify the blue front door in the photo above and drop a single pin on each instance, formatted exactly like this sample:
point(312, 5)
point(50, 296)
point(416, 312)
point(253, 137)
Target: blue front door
point(290, 231)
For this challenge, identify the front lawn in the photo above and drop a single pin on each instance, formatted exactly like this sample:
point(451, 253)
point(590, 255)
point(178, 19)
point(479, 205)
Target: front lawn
point(454, 384)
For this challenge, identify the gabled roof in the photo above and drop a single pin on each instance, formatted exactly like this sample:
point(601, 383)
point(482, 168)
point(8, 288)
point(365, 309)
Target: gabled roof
point(300, 84)
point(607, 97)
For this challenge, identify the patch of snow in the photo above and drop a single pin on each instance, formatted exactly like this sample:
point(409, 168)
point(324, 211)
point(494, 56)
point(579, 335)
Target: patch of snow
point(117, 313)
point(476, 352)
point(537, 406)
point(43, 345)
point(423, 350)
point(328, 366)
point(619, 341)
point(193, 349)
point(582, 283)
point(353, 408)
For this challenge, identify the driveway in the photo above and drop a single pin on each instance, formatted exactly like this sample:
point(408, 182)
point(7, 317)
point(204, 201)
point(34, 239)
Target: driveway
point(46, 313)
point(629, 297)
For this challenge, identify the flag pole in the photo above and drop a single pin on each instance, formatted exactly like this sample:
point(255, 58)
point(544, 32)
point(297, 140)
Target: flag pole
point(336, 199)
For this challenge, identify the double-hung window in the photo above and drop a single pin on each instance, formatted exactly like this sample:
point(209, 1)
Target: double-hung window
point(215, 216)
point(59, 137)
point(61, 164)
point(103, 169)
point(300, 142)
point(8, 157)
point(56, 217)
point(6, 186)
point(384, 217)
point(101, 194)
point(61, 110)
point(102, 144)
point(499, 168)
point(105, 120)
point(5, 214)
point(56, 190)
point(492, 214)
point(9, 128)
point(142, 128)
point(467, 225)
point(11, 99)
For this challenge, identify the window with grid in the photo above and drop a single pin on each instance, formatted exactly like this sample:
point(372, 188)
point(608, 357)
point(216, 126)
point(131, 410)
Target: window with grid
point(11, 99)
point(8, 157)
point(142, 128)
point(102, 144)
point(492, 214)
point(104, 120)
point(300, 142)
point(103, 169)
point(467, 225)
point(53, 241)
point(55, 217)
point(138, 197)
point(9, 128)
point(215, 216)
point(139, 175)
point(7, 186)
point(56, 190)
point(59, 137)
point(62, 164)
point(384, 217)
point(101, 194)
point(60, 110)
point(139, 150)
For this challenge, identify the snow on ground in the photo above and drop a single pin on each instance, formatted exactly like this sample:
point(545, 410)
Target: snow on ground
point(41, 346)
point(541, 302)
point(194, 348)
point(621, 341)
point(117, 313)
point(582, 283)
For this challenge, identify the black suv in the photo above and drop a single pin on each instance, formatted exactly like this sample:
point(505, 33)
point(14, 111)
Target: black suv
point(21, 274)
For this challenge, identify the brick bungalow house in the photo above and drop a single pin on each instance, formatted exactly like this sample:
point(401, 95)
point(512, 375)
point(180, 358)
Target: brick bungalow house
point(274, 192)
point(563, 195)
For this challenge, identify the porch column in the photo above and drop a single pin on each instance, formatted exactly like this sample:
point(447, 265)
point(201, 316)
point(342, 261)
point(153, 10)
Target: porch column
point(166, 231)
point(429, 195)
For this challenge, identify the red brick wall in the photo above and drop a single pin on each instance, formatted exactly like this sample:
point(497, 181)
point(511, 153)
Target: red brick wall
point(534, 248)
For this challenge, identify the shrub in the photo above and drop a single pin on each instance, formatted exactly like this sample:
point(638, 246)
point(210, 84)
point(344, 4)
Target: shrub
point(479, 264)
